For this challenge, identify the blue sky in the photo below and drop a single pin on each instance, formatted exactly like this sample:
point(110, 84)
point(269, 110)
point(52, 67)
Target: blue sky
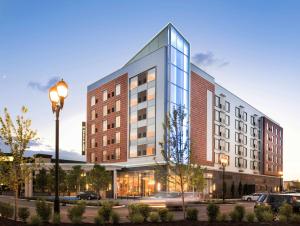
point(250, 47)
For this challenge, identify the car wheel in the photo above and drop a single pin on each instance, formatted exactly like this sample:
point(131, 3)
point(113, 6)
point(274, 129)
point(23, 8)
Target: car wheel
point(248, 199)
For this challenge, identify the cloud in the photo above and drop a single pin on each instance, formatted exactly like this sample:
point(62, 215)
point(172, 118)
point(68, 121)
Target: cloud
point(43, 87)
point(208, 59)
point(3, 77)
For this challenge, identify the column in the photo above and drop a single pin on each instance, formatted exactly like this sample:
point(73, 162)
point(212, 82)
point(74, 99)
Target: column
point(28, 186)
point(115, 186)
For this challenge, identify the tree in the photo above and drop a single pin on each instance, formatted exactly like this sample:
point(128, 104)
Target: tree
point(99, 178)
point(197, 180)
point(232, 190)
point(41, 180)
point(74, 179)
point(62, 185)
point(175, 150)
point(17, 136)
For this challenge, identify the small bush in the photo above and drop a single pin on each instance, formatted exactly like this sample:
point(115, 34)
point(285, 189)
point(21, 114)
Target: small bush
point(35, 220)
point(99, 220)
point(222, 217)
point(260, 210)
point(23, 213)
point(295, 218)
point(170, 217)
point(192, 214)
point(141, 208)
point(75, 213)
point(282, 219)
point(56, 219)
point(105, 211)
point(137, 218)
point(267, 216)
point(237, 215)
point(154, 217)
point(6, 210)
point(250, 217)
point(213, 211)
point(286, 210)
point(115, 217)
point(43, 210)
point(163, 214)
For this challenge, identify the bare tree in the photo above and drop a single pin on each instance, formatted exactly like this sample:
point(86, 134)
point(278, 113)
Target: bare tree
point(17, 136)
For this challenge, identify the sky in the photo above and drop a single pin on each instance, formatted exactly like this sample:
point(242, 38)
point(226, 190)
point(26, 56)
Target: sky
point(251, 47)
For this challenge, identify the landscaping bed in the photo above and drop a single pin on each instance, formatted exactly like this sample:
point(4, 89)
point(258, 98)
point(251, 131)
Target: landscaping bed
point(8, 222)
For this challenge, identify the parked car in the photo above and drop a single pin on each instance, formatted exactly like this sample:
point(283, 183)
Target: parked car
point(275, 200)
point(88, 195)
point(251, 197)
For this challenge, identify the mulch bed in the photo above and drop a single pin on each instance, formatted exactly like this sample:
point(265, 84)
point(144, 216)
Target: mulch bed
point(8, 222)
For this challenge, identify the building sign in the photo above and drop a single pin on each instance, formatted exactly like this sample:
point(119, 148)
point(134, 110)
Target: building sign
point(83, 148)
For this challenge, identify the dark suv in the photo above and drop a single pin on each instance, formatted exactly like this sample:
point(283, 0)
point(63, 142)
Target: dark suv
point(276, 200)
point(89, 195)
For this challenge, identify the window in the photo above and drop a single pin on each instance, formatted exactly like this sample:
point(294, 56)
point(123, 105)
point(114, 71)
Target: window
point(113, 125)
point(133, 83)
point(112, 94)
point(151, 93)
point(245, 116)
point(151, 112)
point(93, 127)
point(133, 117)
point(93, 114)
point(104, 95)
point(117, 137)
point(142, 96)
point(104, 125)
point(118, 105)
point(118, 89)
point(150, 149)
point(227, 106)
point(117, 153)
point(105, 156)
point(133, 100)
point(217, 116)
point(104, 110)
point(92, 157)
point(151, 75)
point(117, 121)
point(104, 140)
point(151, 131)
point(141, 150)
point(93, 100)
point(142, 114)
point(252, 120)
point(142, 78)
point(238, 112)
point(93, 143)
point(218, 103)
point(227, 120)
point(142, 132)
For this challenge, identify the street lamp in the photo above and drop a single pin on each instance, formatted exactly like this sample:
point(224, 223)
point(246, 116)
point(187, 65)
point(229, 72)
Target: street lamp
point(57, 95)
point(280, 173)
point(224, 163)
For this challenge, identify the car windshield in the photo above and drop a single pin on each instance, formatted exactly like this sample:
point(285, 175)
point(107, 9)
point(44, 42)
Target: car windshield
point(262, 198)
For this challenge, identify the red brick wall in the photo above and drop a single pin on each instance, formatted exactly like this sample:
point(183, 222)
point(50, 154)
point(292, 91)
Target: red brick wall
point(199, 87)
point(277, 157)
point(110, 102)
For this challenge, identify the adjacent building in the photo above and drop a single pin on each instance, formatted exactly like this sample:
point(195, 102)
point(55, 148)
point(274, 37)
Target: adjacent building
point(126, 111)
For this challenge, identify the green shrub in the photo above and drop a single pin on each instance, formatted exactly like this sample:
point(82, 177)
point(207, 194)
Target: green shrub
point(43, 210)
point(192, 214)
point(6, 210)
point(115, 217)
point(170, 217)
point(260, 210)
point(137, 218)
point(295, 218)
point(163, 214)
point(250, 217)
point(286, 210)
point(223, 217)
point(99, 220)
point(56, 219)
point(75, 213)
point(142, 208)
point(105, 211)
point(267, 216)
point(154, 217)
point(237, 215)
point(213, 211)
point(35, 220)
point(23, 213)
point(282, 218)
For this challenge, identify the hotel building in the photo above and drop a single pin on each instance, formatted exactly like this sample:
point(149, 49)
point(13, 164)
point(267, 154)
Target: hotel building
point(126, 111)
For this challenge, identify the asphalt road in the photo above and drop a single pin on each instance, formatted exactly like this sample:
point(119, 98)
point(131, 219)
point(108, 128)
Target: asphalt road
point(91, 212)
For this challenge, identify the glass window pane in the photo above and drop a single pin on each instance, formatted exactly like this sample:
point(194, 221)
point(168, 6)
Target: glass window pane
point(172, 93)
point(133, 100)
point(104, 95)
point(133, 134)
point(93, 100)
point(151, 112)
point(118, 89)
point(179, 59)
point(185, 63)
point(151, 93)
point(173, 37)
point(133, 117)
point(118, 105)
point(133, 83)
point(173, 74)
point(185, 48)
point(151, 75)
point(151, 131)
point(185, 81)
point(117, 121)
point(179, 43)
point(173, 55)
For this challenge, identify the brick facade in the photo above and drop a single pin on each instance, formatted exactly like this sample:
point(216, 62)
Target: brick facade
point(198, 119)
point(272, 148)
point(111, 118)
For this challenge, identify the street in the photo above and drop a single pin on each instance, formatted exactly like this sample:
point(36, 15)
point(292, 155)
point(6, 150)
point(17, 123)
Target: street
point(91, 212)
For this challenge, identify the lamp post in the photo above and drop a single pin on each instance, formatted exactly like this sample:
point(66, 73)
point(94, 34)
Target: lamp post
point(280, 173)
point(224, 163)
point(57, 95)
